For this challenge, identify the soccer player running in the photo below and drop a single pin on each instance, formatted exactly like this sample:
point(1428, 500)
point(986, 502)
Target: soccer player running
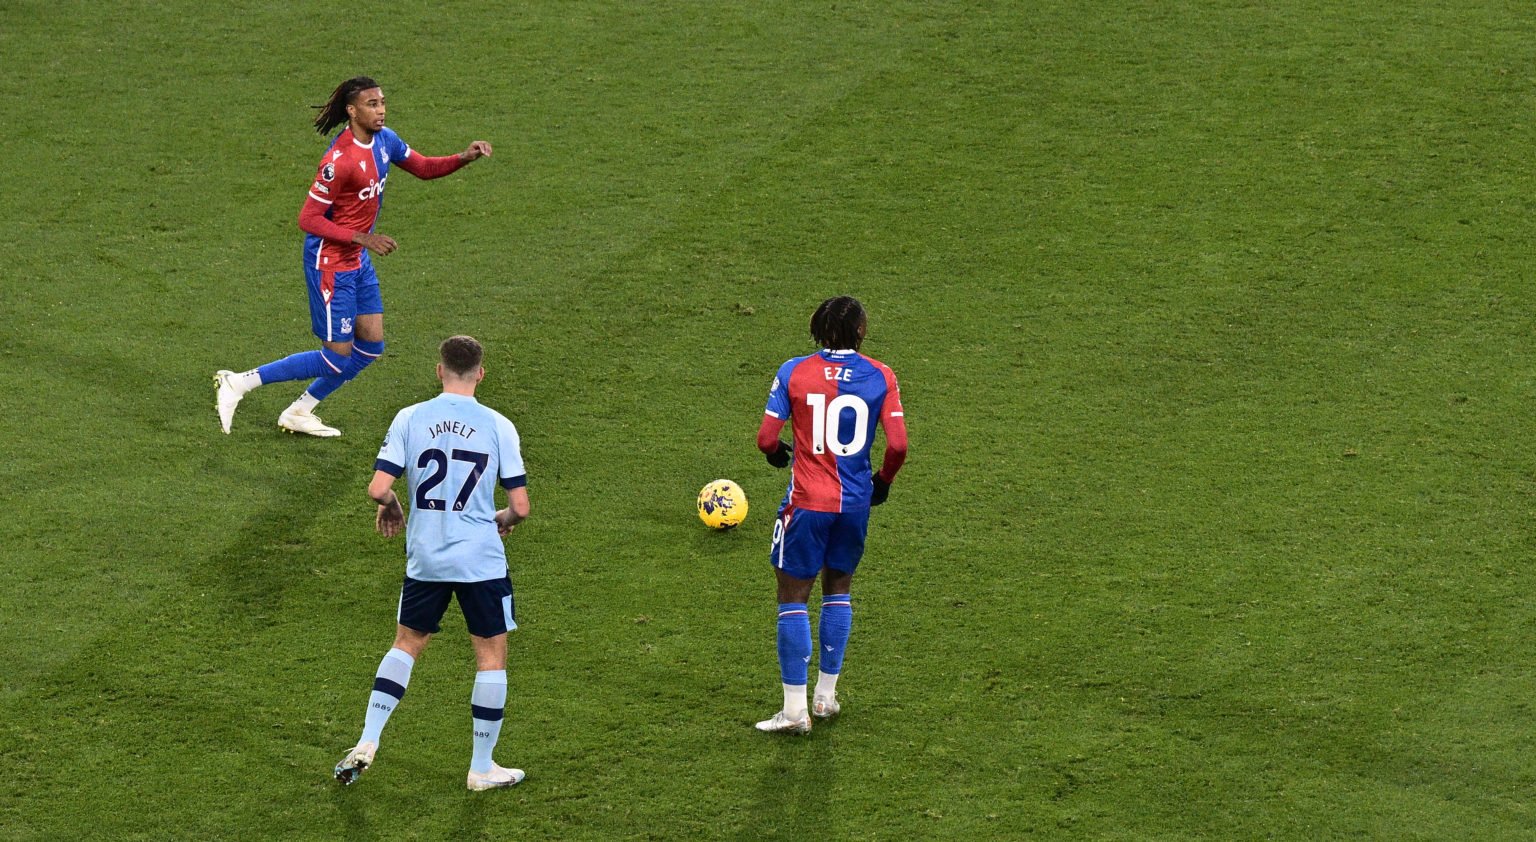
point(453, 451)
point(345, 308)
point(835, 398)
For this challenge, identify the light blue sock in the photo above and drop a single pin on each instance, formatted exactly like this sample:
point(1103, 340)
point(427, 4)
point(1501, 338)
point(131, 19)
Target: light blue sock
point(794, 643)
point(487, 704)
point(302, 365)
point(836, 623)
point(389, 685)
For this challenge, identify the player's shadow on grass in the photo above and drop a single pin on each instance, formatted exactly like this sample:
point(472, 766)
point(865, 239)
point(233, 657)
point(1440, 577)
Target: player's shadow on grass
point(796, 785)
point(354, 816)
point(475, 812)
point(269, 553)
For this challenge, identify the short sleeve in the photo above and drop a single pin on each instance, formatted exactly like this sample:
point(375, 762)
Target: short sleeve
point(778, 393)
point(510, 447)
point(398, 149)
point(321, 190)
point(391, 458)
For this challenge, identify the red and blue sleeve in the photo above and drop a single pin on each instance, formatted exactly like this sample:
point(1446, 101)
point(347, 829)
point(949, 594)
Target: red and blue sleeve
point(893, 419)
point(776, 413)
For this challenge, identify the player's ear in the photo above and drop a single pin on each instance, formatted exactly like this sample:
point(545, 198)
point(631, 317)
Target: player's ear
point(439, 371)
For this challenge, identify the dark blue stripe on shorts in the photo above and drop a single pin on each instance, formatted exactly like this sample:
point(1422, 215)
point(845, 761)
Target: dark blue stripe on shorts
point(389, 688)
point(487, 714)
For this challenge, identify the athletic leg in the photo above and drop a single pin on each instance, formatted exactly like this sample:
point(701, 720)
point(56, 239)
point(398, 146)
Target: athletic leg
point(796, 554)
point(488, 612)
point(844, 550)
point(835, 626)
point(389, 683)
point(419, 617)
point(794, 641)
point(359, 353)
point(488, 701)
point(333, 307)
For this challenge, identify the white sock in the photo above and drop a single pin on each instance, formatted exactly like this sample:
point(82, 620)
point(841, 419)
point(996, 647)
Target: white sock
point(306, 403)
point(246, 380)
point(794, 701)
point(826, 684)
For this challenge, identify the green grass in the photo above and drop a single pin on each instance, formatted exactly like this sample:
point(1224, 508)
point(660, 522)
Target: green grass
point(1213, 326)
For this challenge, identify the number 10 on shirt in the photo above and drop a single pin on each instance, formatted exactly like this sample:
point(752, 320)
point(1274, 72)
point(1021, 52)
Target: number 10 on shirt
point(827, 426)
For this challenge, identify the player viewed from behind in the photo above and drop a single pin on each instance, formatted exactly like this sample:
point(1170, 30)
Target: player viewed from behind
point(346, 310)
point(453, 452)
point(834, 398)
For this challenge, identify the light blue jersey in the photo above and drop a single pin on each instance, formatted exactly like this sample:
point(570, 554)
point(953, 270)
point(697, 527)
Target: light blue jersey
point(453, 451)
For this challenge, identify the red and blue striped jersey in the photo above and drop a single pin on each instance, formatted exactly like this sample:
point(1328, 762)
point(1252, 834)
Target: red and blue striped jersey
point(350, 184)
point(834, 400)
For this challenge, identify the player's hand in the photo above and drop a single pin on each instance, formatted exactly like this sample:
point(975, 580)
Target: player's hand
point(504, 522)
point(779, 458)
point(882, 491)
point(477, 149)
point(391, 519)
point(376, 243)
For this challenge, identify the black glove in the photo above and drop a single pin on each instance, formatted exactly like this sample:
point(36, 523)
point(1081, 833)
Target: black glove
point(882, 491)
point(779, 458)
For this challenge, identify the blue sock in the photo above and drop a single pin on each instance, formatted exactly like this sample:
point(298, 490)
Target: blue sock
point(836, 623)
point(794, 643)
point(388, 689)
point(363, 353)
point(294, 367)
point(487, 703)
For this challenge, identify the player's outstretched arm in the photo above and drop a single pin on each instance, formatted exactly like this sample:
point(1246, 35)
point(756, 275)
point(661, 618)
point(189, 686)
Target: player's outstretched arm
point(424, 167)
point(391, 517)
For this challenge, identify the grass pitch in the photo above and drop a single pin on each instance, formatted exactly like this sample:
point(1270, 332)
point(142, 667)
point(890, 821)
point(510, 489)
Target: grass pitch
point(1213, 333)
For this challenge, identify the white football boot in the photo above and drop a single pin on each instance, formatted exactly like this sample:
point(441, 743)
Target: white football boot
point(226, 398)
point(825, 707)
point(297, 421)
point(497, 778)
point(357, 760)
point(781, 724)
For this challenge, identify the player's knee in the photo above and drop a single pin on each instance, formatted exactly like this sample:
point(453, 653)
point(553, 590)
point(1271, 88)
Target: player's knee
point(335, 361)
point(363, 355)
point(411, 641)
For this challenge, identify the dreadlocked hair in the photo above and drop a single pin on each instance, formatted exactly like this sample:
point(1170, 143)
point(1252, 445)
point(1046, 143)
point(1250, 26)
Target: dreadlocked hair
point(334, 112)
point(836, 323)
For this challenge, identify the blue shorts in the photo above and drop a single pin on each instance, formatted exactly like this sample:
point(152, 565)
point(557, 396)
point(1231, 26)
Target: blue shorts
point(805, 541)
point(487, 605)
point(336, 299)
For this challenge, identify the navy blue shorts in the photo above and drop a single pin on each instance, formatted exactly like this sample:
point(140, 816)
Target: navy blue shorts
point(487, 605)
point(805, 541)
point(336, 299)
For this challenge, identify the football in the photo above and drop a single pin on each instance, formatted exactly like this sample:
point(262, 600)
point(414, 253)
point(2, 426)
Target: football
point(722, 504)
